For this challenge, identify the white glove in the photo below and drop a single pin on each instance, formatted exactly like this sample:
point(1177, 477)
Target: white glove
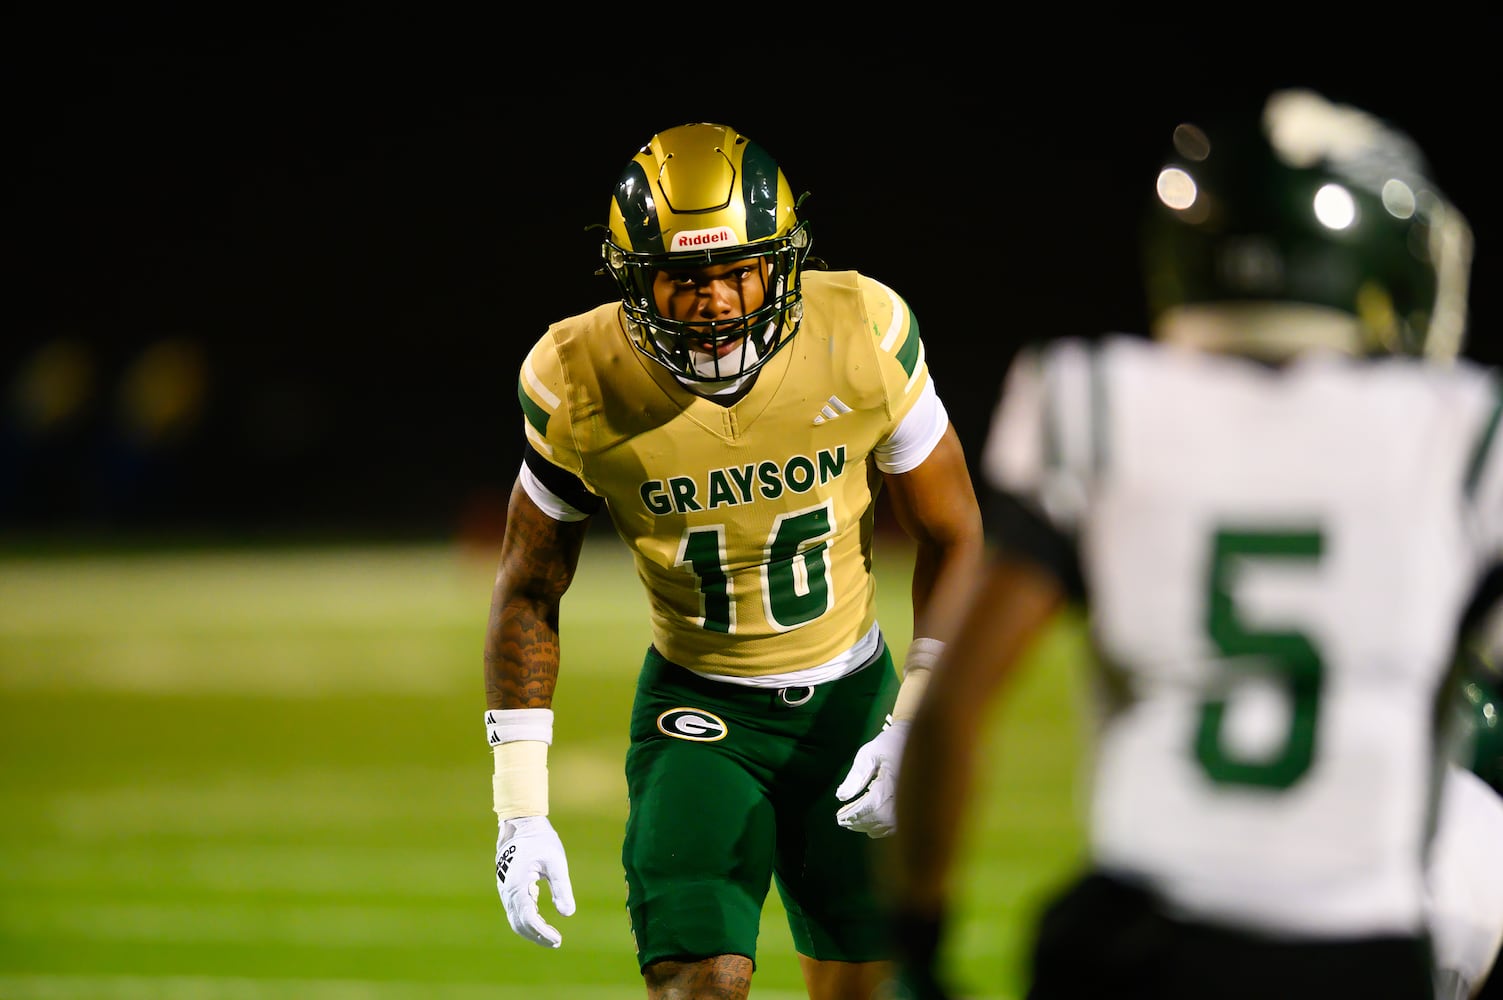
point(875, 770)
point(528, 849)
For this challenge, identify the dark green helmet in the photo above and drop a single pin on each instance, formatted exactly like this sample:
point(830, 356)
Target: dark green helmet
point(1480, 736)
point(1307, 225)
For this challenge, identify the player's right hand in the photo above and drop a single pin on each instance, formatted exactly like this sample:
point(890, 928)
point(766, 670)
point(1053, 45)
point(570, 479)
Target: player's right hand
point(915, 941)
point(909, 983)
point(527, 849)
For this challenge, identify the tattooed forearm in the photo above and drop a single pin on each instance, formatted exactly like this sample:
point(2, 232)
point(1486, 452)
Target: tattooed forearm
point(521, 657)
point(538, 559)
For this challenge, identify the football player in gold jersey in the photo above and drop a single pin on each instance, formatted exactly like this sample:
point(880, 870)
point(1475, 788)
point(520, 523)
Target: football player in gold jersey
point(736, 414)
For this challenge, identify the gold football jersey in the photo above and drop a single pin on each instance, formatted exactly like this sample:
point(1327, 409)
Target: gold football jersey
point(751, 524)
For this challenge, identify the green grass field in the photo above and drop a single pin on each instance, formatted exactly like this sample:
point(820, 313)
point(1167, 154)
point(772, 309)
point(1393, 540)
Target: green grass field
point(261, 773)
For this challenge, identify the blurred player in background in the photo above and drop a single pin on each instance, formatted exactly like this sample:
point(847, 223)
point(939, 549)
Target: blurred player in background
point(736, 414)
point(1276, 511)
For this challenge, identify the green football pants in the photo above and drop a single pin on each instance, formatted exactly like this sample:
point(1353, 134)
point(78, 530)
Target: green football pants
point(733, 786)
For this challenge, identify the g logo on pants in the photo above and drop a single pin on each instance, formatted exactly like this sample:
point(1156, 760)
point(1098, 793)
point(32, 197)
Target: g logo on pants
point(692, 724)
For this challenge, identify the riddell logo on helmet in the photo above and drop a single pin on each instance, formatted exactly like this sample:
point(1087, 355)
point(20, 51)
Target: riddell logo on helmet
point(696, 239)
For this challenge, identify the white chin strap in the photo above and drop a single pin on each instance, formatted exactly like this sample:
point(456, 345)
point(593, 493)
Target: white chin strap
point(745, 353)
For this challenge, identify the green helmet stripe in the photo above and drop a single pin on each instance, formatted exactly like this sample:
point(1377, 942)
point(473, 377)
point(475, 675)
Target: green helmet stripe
point(759, 192)
point(638, 213)
point(1474, 470)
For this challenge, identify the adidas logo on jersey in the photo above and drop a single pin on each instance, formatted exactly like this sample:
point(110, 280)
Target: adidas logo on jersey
point(831, 410)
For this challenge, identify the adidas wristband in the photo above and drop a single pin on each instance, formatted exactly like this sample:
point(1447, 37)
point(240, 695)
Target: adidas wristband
point(504, 725)
point(519, 739)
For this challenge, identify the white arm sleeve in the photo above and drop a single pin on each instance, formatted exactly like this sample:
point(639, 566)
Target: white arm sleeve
point(913, 440)
point(548, 502)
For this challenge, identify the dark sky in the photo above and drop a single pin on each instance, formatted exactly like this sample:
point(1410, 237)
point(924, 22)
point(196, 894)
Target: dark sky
point(363, 220)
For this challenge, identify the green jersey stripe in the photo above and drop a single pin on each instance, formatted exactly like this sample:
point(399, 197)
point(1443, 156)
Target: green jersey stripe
point(535, 414)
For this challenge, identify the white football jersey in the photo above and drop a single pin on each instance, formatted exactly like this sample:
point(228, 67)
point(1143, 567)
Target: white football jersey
point(1465, 884)
point(1275, 564)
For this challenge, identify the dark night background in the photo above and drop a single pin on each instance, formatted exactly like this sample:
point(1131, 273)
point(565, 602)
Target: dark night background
point(277, 275)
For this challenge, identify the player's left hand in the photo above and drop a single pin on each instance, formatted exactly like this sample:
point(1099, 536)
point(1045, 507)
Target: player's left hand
point(874, 777)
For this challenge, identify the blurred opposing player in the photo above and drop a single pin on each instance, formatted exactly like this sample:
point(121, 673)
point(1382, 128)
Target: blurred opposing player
point(736, 414)
point(1276, 512)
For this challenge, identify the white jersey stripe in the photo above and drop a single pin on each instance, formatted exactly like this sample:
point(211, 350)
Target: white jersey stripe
point(899, 313)
point(539, 390)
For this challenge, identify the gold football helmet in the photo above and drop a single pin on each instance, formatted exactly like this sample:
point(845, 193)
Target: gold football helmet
point(695, 196)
